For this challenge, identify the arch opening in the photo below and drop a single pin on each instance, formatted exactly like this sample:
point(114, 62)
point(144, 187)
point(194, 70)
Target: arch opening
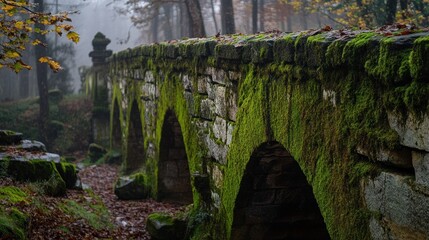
point(135, 143)
point(174, 180)
point(275, 201)
point(116, 129)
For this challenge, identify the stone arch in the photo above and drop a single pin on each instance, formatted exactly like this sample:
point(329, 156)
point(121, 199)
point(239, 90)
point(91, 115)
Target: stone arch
point(135, 142)
point(116, 134)
point(174, 180)
point(275, 201)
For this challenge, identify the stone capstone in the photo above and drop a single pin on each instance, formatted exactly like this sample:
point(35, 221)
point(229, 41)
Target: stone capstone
point(131, 187)
point(162, 226)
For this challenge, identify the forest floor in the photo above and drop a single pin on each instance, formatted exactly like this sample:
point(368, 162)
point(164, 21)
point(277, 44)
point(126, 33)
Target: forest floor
point(95, 213)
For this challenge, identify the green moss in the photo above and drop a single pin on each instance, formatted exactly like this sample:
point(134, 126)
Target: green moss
point(13, 224)
point(12, 194)
point(419, 59)
point(96, 215)
point(68, 173)
point(358, 50)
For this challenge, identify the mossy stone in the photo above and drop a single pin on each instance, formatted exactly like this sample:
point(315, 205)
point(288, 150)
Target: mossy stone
point(131, 187)
point(165, 227)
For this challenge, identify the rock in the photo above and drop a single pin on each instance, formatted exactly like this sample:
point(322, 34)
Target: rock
point(31, 146)
point(401, 210)
point(8, 137)
point(413, 131)
point(113, 157)
point(38, 171)
point(421, 167)
point(396, 157)
point(131, 187)
point(55, 95)
point(68, 173)
point(95, 152)
point(165, 227)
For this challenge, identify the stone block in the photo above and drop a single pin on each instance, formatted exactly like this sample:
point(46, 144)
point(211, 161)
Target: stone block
point(421, 167)
point(402, 208)
point(149, 77)
point(413, 131)
point(234, 76)
point(284, 49)
point(219, 76)
point(210, 87)
point(228, 51)
point(395, 157)
point(232, 103)
point(219, 129)
point(229, 131)
point(220, 101)
point(207, 110)
point(187, 82)
point(202, 84)
point(218, 152)
point(262, 51)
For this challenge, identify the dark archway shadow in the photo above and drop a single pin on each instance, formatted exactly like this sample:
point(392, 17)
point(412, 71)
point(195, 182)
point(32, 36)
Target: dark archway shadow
point(116, 129)
point(275, 200)
point(135, 148)
point(174, 182)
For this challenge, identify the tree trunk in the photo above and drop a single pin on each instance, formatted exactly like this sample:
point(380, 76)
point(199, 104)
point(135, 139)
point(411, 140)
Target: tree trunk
point(289, 17)
point(391, 6)
point(168, 29)
point(196, 22)
point(227, 15)
point(261, 15)
point(42, 80)
point(155, 23)
point(304, 16)
point(254, 16)
point(214, 15)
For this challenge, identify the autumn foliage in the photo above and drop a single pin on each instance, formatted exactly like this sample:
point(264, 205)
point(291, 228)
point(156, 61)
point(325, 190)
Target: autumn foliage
point(18, 29)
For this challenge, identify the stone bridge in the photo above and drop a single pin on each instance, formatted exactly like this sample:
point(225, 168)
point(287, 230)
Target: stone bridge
point(310, 135)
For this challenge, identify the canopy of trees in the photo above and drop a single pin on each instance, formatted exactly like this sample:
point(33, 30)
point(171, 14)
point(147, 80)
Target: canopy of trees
point(21, 24)
point(165, 20)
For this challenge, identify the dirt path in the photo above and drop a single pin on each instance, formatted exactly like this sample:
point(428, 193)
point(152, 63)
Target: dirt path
point(129, 216)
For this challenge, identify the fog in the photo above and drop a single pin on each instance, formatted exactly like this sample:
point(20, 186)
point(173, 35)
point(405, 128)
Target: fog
point(97, 16)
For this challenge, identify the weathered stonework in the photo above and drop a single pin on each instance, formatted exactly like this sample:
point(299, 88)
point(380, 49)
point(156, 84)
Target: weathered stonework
point(350, 114)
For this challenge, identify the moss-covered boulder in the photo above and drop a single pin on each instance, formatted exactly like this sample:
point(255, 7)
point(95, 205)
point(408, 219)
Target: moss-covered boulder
point(96, 152)
point(39, 171)
point(162, 226)
point(8, 137)
point(131, 187)
point(68, 173)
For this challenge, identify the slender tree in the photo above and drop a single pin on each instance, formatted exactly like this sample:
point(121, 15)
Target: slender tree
point(196, 21)
point(227, 15)
point(42, 79)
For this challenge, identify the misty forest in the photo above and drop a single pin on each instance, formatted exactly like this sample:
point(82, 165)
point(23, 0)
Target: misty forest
point(214, 119)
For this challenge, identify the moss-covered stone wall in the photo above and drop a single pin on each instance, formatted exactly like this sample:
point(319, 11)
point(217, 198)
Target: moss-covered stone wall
point(352, 108)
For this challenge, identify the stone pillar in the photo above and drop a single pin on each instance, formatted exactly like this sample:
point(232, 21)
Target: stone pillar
point(99, 54)
point(98, 89)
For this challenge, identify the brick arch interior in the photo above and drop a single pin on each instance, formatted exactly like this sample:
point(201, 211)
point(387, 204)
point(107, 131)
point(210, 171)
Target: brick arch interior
point(275, 200)
point(174, 182)
point(135, 147)
point(116, 128)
